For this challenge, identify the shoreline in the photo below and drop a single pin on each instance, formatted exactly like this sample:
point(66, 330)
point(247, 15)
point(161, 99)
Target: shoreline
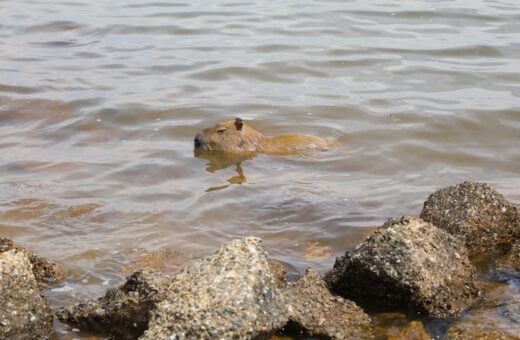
point(374, 271)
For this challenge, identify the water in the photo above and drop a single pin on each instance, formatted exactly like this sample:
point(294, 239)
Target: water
point(100, 100)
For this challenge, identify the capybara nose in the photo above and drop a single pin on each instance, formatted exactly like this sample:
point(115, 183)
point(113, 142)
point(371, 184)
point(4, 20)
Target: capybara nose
point(197, 143)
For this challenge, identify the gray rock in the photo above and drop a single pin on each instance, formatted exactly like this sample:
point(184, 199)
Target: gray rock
point(43, 270)
point(315, 311)
point(476, 213)
point(408, 262)
point(231, 294)
point(24, 313)
point(124, 311)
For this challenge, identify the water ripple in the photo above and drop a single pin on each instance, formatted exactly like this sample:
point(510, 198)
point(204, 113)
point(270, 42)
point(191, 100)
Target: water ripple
point(99, 103)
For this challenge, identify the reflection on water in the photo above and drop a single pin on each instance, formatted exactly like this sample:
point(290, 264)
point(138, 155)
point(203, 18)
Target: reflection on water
point(222, 160)
point(100, 101)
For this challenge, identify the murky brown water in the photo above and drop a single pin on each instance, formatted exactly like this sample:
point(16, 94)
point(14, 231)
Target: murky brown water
point(100, 100)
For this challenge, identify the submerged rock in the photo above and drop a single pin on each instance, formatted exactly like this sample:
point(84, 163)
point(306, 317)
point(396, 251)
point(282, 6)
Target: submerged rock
point(455, 333)
point(413, 330)
point(496, 317)
point(476, 213)
point(315, 311)
point(166, 261)
point(24, 313)
point(316, 251)
point(124, 311)
point(231, 294)
point(43, 270)
point(394, 326)
point(408, 262)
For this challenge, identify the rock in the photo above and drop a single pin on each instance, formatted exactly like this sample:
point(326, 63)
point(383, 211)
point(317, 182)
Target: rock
point(279, 273)
point(315, 311)
point(43, 270)
point(231, 294)
point(389, 324)
point(316, 251)
point(394, 326)
point(24, 313)
point(510, 263)
point(165, 261)
point(408, 262)
point(414, 330)
point(123, 312)
point(476, 213)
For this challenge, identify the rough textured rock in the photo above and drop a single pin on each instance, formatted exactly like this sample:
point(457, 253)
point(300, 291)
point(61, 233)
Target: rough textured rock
point(231, 294)
point(476, 213)
point(408, 262)
point(510, 263)
point(279, 273)
point(124, 311)
point(314, 310)
point(24, 313)
point(43, 270)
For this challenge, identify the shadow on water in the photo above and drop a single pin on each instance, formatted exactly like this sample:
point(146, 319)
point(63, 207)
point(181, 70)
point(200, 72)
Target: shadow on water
point(223, 160)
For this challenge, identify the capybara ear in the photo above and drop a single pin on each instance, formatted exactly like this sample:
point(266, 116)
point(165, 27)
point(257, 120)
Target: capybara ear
point(239, 123)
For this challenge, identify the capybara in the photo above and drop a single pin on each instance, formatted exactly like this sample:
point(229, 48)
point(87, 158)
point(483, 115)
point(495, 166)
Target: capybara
point(237, 137)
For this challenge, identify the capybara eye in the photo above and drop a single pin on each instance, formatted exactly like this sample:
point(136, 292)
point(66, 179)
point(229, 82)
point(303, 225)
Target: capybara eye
point(221, 130)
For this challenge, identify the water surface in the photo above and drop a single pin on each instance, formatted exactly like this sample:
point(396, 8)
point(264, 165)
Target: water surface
point(100, 100)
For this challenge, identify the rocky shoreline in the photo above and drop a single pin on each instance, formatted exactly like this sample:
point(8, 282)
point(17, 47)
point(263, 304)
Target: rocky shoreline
point(420, 265)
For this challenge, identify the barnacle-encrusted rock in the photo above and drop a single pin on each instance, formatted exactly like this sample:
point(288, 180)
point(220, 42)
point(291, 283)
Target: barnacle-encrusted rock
point(279, 273)
point(43, 270)
point(315, 311)
point(124, 311)
point(24, 313)
point(408, 262)
point(511, 261)
point(229, 295)
point(476, 213)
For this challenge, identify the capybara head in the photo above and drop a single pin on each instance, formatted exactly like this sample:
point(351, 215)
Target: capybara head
point(229, 136)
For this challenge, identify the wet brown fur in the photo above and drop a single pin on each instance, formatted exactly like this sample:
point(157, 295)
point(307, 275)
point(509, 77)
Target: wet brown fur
point(235, 136)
